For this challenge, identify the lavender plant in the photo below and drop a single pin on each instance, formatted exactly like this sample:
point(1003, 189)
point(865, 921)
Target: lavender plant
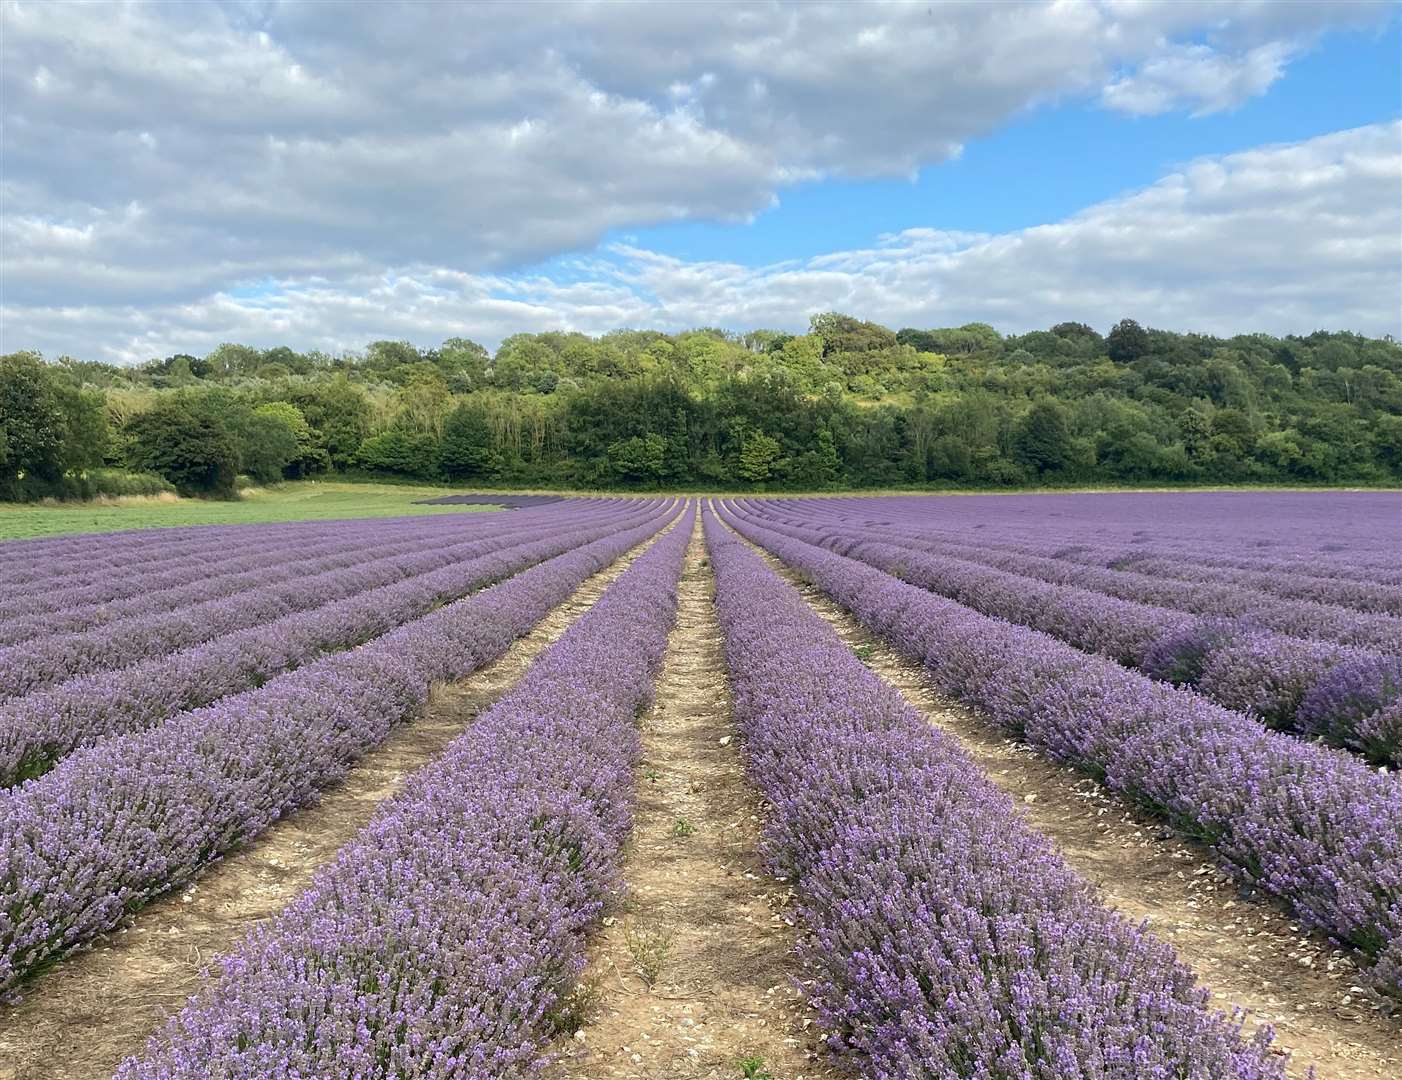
point(946, 938)
point(38, 730)
point(1314, 826)
point(442, 939)
point(115, 824)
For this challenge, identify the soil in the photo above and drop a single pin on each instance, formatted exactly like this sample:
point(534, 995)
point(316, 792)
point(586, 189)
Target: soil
point(115, 995)
point(1245, 947)
point(695, 972)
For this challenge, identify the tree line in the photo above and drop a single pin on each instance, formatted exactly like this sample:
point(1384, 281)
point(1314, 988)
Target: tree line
point(849, 404)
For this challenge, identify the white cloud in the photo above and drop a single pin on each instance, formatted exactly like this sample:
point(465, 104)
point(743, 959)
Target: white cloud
point(1282, 239)
point(158, 154)
point(1198, 78)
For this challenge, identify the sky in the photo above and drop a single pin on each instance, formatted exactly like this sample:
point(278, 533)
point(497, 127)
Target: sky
point(321, 175)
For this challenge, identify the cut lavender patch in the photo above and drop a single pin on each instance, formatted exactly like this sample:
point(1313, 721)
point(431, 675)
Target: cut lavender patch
point(947, 939)
point(440, 939)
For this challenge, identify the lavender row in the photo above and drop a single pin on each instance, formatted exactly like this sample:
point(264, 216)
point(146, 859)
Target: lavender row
point(104, 573)
point(1351, 535)
point(1333, 527)
point(40, 730)
point(1360, 595)
point(119, 595)
point(31, 666)
point(1383, 572)
point(100, 589)
point(53, 557)
point(946, 937)
point(271, 566)
point(1303, 577)
point(1310, 688)
point(467, 898)
point(127, 819)
point(143, 549)
point(54, 611)
point(1306, 618)
point(1314, 826)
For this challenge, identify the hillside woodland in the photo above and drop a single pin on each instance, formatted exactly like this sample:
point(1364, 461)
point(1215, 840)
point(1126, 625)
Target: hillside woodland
point(850, 404)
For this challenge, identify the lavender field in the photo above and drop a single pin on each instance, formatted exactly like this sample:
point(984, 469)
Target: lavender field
point(1042, 786)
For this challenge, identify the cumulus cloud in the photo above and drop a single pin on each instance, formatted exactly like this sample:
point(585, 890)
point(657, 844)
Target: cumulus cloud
point(1286, 238)
point(1198, 78)
point(160, 154)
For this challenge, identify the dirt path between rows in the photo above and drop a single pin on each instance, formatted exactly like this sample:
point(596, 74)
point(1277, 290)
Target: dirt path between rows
point(696, 973)
point(1245, 948)
point(80, 1020)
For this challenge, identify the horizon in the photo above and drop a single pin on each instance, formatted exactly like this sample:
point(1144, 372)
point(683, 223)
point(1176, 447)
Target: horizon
point(361, 354)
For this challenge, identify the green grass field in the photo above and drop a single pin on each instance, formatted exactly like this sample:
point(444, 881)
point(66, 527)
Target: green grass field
point(293, 501)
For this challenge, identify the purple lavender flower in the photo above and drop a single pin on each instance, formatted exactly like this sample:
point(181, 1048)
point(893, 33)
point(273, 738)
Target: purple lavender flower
point(944, 936)
point(1350, 703)
point(124, 820)
point(1314, 826)
point(440, 938)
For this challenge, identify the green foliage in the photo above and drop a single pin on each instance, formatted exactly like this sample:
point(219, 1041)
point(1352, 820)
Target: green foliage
point(641, 459)
point(753, 1068)
point(759, 454)
point(848, 404)
point(32, 425)
point(189, 446)
point(339, 415)
point(120, 482)
point(1042, 441)
point(651, 947)
point(308, 457)
point(408, 453)
point(1127, 342)
point(269, 445)
point(52, 430)
point(844, 334)
point(466, 450)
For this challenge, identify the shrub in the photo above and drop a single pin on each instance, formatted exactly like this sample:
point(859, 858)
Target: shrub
point(1178, 656)
point(193, 450)
point(1340, 702)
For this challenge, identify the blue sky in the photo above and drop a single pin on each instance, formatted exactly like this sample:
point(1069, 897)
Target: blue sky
point(322, 175)
point(1056, 160)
